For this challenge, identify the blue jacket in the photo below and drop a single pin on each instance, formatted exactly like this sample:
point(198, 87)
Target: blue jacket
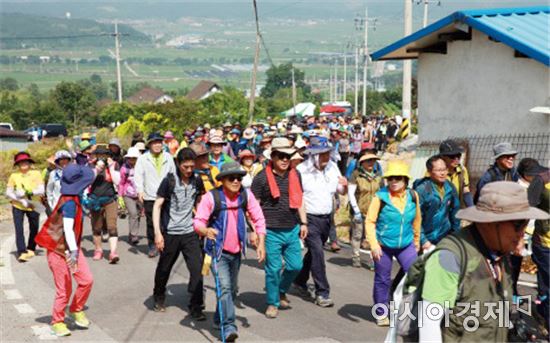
point(493, 174)
point(220, 223)
point(438, 215)
point(393, 228)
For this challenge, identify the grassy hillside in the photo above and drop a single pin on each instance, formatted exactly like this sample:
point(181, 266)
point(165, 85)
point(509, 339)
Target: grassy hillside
point(28, 31)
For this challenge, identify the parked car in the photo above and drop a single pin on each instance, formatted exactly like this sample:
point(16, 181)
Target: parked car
point(54, 130)
point(7, 126)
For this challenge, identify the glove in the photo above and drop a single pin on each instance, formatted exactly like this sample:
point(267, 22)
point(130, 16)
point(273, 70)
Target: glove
point(357, 218)
point(20, 193)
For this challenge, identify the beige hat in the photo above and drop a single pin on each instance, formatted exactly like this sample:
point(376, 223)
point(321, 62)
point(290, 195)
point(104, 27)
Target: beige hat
point(501, 201)
point(248, 133)
point(140, 146)
point(199, 149)
point(283, 145)
point(368, 157)
point(216, 139)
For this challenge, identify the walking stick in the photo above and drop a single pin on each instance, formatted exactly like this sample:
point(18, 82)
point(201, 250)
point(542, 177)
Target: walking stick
point(218, 291)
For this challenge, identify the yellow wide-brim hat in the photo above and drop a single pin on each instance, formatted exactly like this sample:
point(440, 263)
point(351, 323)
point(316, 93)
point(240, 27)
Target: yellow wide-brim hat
point(397, 168)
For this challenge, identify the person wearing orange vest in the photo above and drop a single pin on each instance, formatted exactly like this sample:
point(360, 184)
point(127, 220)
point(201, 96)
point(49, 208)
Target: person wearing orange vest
point(61, 236)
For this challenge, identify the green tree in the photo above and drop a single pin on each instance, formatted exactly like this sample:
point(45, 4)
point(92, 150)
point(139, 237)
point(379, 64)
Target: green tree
point(74, 100)
point(116, 113)
point(153, 122)
point(9, 84)
point(229, 104)
point(281, 77)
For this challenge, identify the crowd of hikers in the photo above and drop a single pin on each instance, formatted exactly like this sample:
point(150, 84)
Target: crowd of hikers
point(212, 192)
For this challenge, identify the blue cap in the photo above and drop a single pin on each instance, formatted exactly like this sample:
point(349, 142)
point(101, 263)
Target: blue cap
point(75, 179)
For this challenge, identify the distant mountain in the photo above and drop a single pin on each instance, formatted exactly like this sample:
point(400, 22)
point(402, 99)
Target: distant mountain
point(23, 30)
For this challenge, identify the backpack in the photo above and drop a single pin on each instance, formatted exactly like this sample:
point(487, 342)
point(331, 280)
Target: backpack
point(196, 180)
point(218, 204)
point(408, 312)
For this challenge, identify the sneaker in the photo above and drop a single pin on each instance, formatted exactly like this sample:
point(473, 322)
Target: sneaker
point(60, 330)
point(159, 307)
point(80, 319)
point(383, 321)
point(98, 255)
point(231, 337)
point(356, 263)
point(23, 257)
point(334, 247)
point(30, 254)
point(133, 240)
point(198, 315)
point(113, 258)
point(323, 302)
point(271, 312)
point(284, 303)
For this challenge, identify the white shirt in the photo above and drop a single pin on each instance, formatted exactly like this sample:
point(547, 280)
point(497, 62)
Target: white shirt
point(319, 186)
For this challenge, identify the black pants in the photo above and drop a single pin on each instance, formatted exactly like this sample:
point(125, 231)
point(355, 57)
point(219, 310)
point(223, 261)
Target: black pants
point(148, 207)
point(515, 261)
point(314, 260)
point(190, 247)
point(18, 221)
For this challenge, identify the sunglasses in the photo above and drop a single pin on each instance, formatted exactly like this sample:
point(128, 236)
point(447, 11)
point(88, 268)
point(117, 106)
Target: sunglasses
point(519, 224)
point(232, 178)
point(281, 156)
point(396, 178)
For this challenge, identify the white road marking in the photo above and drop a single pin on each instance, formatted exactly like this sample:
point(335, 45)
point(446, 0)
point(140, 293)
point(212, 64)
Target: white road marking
point(24, 308)
point(43, 332)
point(12, 294)
point(6, 275)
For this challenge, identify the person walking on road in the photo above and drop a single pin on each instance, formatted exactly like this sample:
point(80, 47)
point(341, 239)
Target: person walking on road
point(392, 226)
point(439, 204)
point(321, 180)
point(173, 220)
point(470, 270)
point(363, 185)
point(451, 152)
point(217, 156)
point(150, 169)
point(61, 235)
point(23, 189)
point(127, 189)
point(203, 169)
point(279, 191)
point(221, 218)
point(53, 187)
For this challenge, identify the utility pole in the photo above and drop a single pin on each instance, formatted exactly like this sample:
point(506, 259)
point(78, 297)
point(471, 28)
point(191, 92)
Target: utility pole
point(255, 68)
point(365, 61)
point(344, 91)
point(356, 104)
point(330, 86)
point(407, 66)
point(336, 79)
point(293, 92)
point(117, 56)
point(426, 3)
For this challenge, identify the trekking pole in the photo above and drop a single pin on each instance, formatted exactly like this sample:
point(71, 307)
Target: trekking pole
point(218, 291)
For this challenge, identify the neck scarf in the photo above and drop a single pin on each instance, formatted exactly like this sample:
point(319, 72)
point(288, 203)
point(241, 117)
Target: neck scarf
point(294, 187)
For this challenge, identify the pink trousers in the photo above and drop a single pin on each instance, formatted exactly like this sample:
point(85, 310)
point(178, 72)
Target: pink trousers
point(64, 284)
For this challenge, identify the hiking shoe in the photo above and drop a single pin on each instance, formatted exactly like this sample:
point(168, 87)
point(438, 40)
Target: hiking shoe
point(334, 247)
point(30, 254)
point(356, 263)
point(383, 321)
point(60, 330)
point(198, 315)
point(271, 312)
point(98, 255)
point(113, 258)
point(23, 257)
point(80, 319)
point(159, 307)
point(324, 301)
point(284, 303)
point(231, 337)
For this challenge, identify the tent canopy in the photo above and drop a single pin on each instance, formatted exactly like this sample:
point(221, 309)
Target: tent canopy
point(302, 109)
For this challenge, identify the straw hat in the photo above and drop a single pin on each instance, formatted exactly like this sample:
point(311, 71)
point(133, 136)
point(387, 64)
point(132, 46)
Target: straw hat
point(368, 157)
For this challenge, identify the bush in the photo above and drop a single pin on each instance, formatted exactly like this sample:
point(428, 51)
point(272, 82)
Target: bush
point(103, 136)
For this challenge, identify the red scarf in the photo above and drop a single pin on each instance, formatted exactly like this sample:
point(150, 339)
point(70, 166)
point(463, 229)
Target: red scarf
point(51, 235)
point(294, 187)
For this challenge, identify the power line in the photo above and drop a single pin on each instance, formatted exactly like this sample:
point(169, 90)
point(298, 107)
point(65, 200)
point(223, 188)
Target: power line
point(266, 50)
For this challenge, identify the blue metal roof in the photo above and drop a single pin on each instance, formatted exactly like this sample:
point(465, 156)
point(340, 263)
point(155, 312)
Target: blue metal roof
point(524, 29)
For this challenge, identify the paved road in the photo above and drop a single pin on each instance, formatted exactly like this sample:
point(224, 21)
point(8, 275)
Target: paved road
point(120, 303)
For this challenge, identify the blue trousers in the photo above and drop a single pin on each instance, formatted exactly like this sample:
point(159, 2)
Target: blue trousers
point(228, 274)
point(281, 244)
point(18, 221)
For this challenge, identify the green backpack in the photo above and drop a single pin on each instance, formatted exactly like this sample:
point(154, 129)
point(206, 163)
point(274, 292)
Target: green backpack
point(407, 326)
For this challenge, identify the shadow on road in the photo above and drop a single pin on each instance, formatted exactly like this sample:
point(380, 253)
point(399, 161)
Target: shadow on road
point(253, 300)
point(356, 312)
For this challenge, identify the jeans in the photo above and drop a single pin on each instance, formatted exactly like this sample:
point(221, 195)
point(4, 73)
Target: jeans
point(314, 260)
point(228, 275)
point(18, 221)
point(148, 206)
point(281, 244)
point(190, 247)
point(133, 206)
point(541, 257)
point(382, 269)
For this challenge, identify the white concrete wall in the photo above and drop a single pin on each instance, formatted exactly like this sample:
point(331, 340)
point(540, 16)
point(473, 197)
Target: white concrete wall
point(480, 88)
